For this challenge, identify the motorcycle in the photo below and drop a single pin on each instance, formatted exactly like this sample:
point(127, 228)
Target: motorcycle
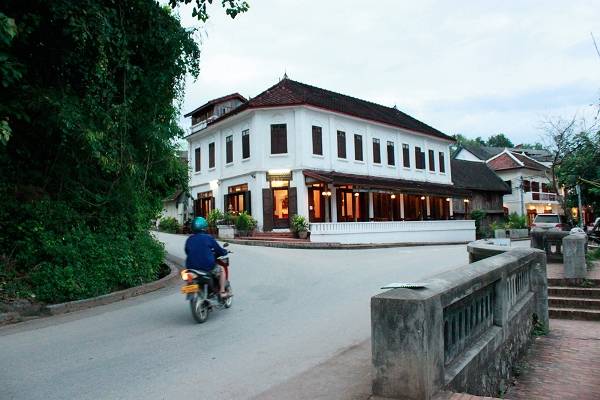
point(202, 289)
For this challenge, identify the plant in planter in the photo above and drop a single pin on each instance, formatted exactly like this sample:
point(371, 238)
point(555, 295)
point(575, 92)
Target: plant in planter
point(299, 226)
point(213, 218)
point(245, 224)
point(168, 224)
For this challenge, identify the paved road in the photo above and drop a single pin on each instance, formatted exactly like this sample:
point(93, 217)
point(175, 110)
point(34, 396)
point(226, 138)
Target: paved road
point(293, 309)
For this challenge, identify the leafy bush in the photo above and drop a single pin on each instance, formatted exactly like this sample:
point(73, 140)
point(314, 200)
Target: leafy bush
point(494, 226)
point(168, 224)
point(71, 260)
point(214, 217)
point(244, 222)
point(478, 216)
point(516, 221)
point(299, 224)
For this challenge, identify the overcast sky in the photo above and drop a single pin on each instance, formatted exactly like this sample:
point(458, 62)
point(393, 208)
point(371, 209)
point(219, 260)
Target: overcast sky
point(476, 68)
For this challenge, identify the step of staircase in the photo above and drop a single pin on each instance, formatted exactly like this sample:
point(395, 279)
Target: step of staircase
point(570, 291)
point(273, 239)
point(573, 282)
point(574, 302)
point(274, 234)
point(574, 313)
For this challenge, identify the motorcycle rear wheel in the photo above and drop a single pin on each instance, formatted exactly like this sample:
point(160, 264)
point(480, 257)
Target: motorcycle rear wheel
point(229, 301)
point(199, 309)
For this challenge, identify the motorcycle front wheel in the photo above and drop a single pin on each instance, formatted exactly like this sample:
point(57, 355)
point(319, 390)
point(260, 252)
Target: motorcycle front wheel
point(199, 309)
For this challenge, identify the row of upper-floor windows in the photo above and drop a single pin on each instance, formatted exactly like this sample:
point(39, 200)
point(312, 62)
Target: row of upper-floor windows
point(390, 151)
point(279, 145)
point(228, 151)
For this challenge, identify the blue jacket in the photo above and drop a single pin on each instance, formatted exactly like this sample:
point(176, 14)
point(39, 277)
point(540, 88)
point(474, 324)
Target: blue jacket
point(202, 250)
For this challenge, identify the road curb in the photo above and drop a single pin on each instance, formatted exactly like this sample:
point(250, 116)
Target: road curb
point(77, 305)
point(331, 246)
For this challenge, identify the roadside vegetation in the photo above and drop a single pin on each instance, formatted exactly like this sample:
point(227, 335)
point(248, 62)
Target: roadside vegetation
point(88, 120)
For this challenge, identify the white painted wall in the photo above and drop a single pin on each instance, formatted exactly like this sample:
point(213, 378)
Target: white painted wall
point(466, 155)
point(513, 201)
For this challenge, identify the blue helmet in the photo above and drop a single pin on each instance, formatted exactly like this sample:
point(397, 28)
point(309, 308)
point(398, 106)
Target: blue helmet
point(199, 224)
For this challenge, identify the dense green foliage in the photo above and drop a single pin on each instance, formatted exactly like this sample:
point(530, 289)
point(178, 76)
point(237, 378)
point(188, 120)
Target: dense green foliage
point(200, 11)
point(583, 161)
point(88, 112)
point(499, 140)
point(516, 221)
point(244, 222)
point(214, 217)
point(169, 224)
point(479, 216)
point(299, 224)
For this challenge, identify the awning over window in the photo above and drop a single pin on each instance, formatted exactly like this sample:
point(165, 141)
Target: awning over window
point(380, 183)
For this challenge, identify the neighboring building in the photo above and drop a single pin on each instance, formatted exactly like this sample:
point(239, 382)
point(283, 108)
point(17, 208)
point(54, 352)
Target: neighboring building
point(299, 149)
point(526, 171)
point(530, 181)
point(484, 153)
point(487, 190)
point(177, 204)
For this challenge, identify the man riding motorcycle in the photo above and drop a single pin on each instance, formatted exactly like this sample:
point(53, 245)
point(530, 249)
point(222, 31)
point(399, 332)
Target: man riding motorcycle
point(202, 249)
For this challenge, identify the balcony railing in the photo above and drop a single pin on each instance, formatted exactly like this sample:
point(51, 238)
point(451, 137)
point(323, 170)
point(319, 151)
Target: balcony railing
point(541, 197)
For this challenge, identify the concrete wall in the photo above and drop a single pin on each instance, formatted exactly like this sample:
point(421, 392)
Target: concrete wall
point(463, 331)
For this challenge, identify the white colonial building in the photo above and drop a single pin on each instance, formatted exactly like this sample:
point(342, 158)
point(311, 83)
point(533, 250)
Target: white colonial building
point(346, 164)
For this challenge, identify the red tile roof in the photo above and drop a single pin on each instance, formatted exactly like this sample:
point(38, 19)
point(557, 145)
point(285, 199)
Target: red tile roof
point(288, 92)
point(514, 161)
point(528, 162)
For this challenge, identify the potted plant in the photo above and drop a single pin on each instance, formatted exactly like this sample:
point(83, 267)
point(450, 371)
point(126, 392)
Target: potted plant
point(299, 226)
point(213, 218)
point(226, 226)
point(245, 224)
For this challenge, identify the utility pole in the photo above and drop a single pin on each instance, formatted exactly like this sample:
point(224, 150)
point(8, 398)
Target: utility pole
point(578, 188)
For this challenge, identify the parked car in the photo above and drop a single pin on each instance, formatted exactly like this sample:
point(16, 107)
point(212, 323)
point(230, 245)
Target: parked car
point(550, 222)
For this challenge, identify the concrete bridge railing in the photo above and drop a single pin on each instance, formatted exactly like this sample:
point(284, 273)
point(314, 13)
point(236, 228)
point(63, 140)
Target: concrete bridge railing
point(462, 331)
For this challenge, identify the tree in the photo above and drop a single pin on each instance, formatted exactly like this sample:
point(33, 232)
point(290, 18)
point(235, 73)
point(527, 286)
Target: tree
point(582, 167)
point(88, 129)
point(499, 140)
point(232, 7)
point(563, 139)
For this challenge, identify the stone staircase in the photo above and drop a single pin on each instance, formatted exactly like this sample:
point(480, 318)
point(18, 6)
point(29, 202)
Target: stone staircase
point(274, 237)
point(570, 300)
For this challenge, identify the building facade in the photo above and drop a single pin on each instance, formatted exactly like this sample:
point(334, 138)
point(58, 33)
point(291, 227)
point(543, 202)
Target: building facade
point(529, 180)
point(298, 149)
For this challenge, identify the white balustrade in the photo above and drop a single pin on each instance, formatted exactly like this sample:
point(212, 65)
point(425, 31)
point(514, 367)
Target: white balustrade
point(446, 231)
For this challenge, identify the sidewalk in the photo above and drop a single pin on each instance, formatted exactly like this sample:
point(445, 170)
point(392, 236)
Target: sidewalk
point(563, 365)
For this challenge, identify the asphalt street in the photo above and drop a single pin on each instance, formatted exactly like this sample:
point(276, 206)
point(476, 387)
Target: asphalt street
point(292, 310)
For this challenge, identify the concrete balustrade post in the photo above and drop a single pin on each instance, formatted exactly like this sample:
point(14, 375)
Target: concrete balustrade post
point(574, 256)
point(407, 345)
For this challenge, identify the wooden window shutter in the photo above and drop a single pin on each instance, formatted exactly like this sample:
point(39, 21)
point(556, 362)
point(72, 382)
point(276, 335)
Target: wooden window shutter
point(247, 202)
point(267, 199)
point(197, 159)
point(292, 201)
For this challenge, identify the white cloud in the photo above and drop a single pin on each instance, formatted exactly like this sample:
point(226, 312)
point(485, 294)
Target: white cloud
point(472, 67)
